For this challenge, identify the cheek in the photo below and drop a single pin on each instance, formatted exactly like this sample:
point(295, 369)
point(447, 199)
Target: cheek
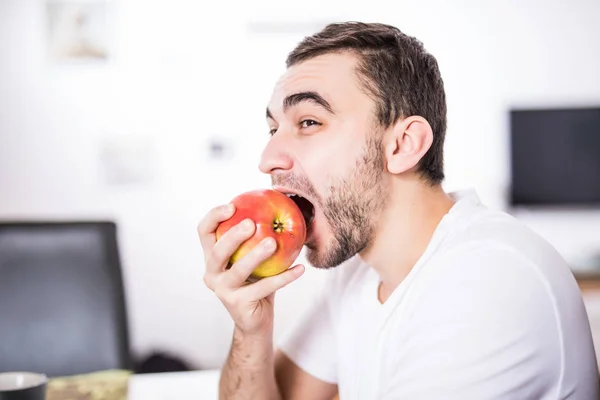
point(322, 162)
point(331, 154)
point(342, 140)
point(328, 169)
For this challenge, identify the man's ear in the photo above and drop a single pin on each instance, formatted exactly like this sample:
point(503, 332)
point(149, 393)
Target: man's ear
point(407, 142)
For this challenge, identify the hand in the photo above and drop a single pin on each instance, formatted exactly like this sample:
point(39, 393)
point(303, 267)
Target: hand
point(249, 304)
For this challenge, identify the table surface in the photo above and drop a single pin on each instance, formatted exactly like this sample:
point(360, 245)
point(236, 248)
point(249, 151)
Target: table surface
point(192, 385)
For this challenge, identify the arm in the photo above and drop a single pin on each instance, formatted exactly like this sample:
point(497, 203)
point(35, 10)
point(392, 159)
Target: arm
point(296, 384)
point(252, 371)
point(249, 372)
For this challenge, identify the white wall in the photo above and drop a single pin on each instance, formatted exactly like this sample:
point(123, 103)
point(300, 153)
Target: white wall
point(181, 74)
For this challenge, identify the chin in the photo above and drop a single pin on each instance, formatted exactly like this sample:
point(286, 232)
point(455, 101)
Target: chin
point(316, 258)
point(323, 250)
point(316, 252)
point(322, 256)
point(328, 251)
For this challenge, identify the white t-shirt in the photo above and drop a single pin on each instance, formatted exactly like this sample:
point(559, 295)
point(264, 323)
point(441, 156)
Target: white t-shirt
point(490, 311)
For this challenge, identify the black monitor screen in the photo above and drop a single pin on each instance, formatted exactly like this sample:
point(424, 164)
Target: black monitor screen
point(555, 157)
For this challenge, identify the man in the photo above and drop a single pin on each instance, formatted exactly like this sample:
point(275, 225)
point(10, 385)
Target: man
point(433, 296)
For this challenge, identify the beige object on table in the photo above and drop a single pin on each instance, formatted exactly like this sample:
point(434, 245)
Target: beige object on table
point(103, 385)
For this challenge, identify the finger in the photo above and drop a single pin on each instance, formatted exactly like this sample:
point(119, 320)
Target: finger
point(241, 270)
point(210, 223)
point(267, 286)
point(228, 244)
point(209, 281)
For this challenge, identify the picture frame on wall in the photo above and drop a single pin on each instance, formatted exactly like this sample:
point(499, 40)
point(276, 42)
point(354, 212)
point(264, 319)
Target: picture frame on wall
point(78, 30)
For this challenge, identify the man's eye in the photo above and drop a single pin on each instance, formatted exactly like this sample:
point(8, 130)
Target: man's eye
point(308, 122)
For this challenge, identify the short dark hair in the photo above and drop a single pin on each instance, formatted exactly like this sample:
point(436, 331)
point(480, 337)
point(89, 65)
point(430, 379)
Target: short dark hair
point(397, 72)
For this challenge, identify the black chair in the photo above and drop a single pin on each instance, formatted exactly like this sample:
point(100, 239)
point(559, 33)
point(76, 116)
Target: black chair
point(62, 301)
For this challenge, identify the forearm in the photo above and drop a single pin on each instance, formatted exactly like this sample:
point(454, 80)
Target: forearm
point(249, 371)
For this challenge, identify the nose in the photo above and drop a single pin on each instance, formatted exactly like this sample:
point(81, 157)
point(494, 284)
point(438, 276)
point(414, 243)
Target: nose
point(275, 156)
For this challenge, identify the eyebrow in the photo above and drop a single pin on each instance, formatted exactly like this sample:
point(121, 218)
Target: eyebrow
point(296, 98)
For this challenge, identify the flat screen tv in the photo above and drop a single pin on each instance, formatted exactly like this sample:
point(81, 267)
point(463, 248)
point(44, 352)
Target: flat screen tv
point(555, 157)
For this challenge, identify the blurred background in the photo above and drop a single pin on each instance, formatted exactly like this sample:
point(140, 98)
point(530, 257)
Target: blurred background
point(149, 113)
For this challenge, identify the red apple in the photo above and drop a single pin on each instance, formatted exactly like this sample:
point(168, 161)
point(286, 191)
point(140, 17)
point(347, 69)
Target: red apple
point(275, 215)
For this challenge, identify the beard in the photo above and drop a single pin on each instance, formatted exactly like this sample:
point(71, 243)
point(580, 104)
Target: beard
point(351, 206)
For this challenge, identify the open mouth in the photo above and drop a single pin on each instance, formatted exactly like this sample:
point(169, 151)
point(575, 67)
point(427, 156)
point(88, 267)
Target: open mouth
point(308, 210)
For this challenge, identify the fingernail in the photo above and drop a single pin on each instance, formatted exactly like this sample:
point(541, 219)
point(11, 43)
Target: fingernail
point(248, 224)
point(268, 243)
point(229, 208)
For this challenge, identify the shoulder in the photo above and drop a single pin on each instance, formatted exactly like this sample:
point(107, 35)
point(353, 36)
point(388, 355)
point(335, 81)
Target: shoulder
point(497, 298)
point(481, 318)
point(498, 266)
point(487, 279)
point(490, 242)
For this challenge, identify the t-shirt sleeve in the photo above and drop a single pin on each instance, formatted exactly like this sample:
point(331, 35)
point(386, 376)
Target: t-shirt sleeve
point(311, 343)
point(484, 328)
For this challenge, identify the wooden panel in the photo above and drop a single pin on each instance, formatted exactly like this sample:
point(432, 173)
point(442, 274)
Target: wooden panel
point(589, 283)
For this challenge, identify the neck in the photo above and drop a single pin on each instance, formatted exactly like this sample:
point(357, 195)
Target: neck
point(405, 229)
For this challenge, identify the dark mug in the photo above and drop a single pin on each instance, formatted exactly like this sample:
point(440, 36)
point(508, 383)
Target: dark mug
point(22, 386)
